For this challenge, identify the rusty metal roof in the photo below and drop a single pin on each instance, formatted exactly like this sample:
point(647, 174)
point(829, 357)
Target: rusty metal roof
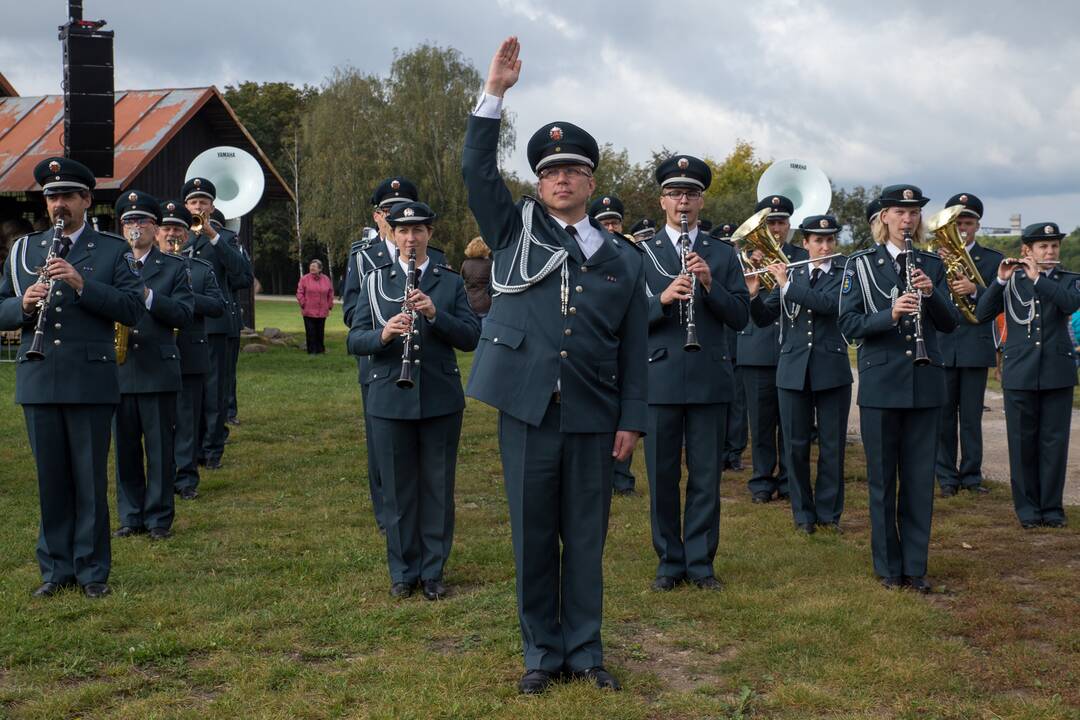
point(31, 129)
point(6, 88)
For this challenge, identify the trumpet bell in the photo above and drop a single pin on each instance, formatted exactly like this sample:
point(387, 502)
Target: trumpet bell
point(805, 185)
point(237, 176)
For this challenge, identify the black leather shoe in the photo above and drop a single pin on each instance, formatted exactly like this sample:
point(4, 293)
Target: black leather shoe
point(1056, 524)
point(160, 533)
point(48, 589)
point(919, 585)
point(201, 461)
point(189, 493)
point(761, 497)
point(599, 677)
point(1029, 525)
point(128, 531)
point(708, 583)
point(977, 489)
point(401, 590)
point(434, 590)
point(534, 682)
point(892, 582)
point(807, 528)
point(233, 421)
point(737, 465)
point(834, 526)
point(783, 496)
point(213, 463)
point(95, 590)
point(664, 583)
point(948, 491)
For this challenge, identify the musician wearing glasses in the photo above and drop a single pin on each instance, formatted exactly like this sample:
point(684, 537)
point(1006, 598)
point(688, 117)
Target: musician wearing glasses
point(813, 375)
point(221, 250)
point(968, 352)
point(562, 356)
point(894, 301)
point(192, 344)
point(410, 317)
point(758, 353)
point(1039, 373)
point(149, 377)
point(693, 283)
point(65, 377)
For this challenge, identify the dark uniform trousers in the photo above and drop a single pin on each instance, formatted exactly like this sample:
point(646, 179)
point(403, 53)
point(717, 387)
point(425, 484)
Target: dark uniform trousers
point(899, 405)
point(968, 353)
point(622, 476)
point(212, 432)
point(758, 352)
point(186, 448)
point(144, 495)
point(813, 377)
point(556, 456)
point(1038, 376)
point(69, 396)
point(736, 436)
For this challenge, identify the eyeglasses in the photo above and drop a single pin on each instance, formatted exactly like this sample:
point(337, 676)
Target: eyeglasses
point(142, 222)
point(688, 194)
point(568, 172)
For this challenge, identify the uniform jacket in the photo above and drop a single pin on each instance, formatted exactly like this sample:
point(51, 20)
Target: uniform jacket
point(597, 351)
point(887, 376)
point(80, 361)
point(678, 377)
point(760, 346)
point(973, 345)
point(1042, 359)
point(192, 343)
point(238, 281)
point(437, 380)
point(153, 360)
point(227, 260)
point(813, 355)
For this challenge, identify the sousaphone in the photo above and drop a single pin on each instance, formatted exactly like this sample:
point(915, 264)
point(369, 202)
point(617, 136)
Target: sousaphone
point(238, 177)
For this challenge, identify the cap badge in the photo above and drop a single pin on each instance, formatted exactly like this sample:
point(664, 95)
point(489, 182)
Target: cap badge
point(824, 223)
point(964, 199)
point(408, 212)
point(909, 194)
point(555, 133)
point(1049, 230)
point(607, 201)
point(197, 182)
point(394, 184)
point(170, 207)
point(133, 197)
point(775, 201)
point(54, 167)
point(683, 163)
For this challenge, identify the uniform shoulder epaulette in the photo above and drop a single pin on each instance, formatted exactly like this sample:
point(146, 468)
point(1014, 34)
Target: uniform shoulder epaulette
point(864, 251)
point(201, 261)
point(358, 245)
point(445, 266)
point(114, 236)
point(173, 258)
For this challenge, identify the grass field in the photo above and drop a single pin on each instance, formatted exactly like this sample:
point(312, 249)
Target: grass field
point(271, 599)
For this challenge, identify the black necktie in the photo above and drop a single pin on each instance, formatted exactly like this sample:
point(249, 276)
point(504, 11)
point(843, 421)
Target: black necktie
point(572, 231)
point(138, 264)
point(815, 274)
point(65, 246)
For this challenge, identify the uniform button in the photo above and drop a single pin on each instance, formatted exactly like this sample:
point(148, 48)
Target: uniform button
point(908, 338)
point(809, 344)
point(908, 353)
point(584, 268)
point(776, 323)
point(567, 331)
point(810, 332)
point(58, 294)
point(563, 354)
point(496, 339)
point(59, 309)
point(1037, 342)
point(56, 342)
point(573, 311)
point(136, 346)
point(57, 326)
point(134, 331)
point(1036, 316)
point(809, 311)
point(579, 289)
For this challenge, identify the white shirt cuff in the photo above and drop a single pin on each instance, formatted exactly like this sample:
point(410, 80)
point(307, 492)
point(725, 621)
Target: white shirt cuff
point(489, 107)
point(1001, 282)
point(149, 298)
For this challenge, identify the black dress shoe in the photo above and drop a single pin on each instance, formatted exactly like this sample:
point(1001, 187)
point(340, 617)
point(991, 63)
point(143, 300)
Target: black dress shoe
point(434, 590)
point(762, 497)
point(783, 496)
point(233, 421)
point(977, 489)
point(708, 583)
point(213, 463)
point(128, 531)
point(834, 526)
point(189, 493)
point(48, 589)
point(599, 677)
point(892, 582)
point(806, 528)
point(1056, 524)
point(534, 682)
point(664, 583)
point(919, 585)
point(948, 491)
point(736, 464)
point(95, 590)
point(401, 590)
point(1029, 525)
point(160, 533)
point(201, 461)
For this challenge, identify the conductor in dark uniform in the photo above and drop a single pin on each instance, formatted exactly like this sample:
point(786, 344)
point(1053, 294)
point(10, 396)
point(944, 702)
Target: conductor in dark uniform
point(899, 401)
point(220, 249)
point(562, 356)
point(967, 352)
point(689, 392)
point(758, 353)
point(69, 396)
point(366, 254)
point(192, 344)
point(1039, 371)
point(150, 377)
point(416, 428)
point(813, 376)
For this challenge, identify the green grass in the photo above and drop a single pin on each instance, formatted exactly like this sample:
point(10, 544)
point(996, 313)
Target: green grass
point(271, 599)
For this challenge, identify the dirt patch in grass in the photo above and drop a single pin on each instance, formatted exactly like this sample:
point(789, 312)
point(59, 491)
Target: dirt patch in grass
point(678, 668)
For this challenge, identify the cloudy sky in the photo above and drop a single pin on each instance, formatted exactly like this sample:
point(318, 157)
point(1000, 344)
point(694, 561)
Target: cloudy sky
point(979, 97)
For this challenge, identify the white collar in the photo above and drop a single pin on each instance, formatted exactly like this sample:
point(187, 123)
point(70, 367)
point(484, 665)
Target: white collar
point(422, 268)
point(969, 246)
point(675, 233)
point(894, 252)
point(143, 256)
point(583, 226)
point(824, 267)
point(74, 237)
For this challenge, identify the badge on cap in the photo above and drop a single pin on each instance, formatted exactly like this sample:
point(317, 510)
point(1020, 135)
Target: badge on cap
point(1049, 230)
point(607, 201)
point(408, 212)
point(197, 182)
point(555, 133)
point(683, 163)
point(133, 197)
point(775, 200)
point(824, 223)
point(54, 167)
point(394, 184)
point(964, 199)
point(170, 207)
point(909, 194)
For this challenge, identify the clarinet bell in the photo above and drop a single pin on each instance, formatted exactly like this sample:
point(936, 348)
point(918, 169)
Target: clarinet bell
point(921, 358)
point(405, 380)
point(692, 344)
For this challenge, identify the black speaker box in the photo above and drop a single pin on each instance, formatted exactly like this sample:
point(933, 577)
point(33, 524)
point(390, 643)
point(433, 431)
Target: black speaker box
point(89, 102)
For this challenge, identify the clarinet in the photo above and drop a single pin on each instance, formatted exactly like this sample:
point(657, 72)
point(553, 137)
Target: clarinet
point(37, 345)
point(692, 344)
point(921, 358)
point(410, 340)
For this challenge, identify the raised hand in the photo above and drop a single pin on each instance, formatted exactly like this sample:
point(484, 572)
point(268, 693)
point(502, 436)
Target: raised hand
point(505, 68)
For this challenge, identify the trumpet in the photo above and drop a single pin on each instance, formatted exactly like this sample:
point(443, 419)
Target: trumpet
point(37, 344)
point(691, 344)
point(410, 340)
point(797, 263)
point(199, 222)
point(921, 358)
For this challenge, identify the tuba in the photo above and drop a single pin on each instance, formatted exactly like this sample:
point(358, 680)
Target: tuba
point(238, 178)
point(754, 235)
point(952, 247)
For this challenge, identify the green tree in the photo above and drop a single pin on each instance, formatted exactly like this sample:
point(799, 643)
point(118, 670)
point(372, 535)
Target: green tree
point(849, 207)
point(733, 193)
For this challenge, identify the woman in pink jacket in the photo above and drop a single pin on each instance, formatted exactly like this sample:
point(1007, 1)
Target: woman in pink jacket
point(315, 293)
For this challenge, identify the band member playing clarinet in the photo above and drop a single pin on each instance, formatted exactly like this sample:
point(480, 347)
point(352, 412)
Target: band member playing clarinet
point(895, 301)
point(1039, 371)
point(563, 357)
point(70, 393)
point(415, 409)
point(813, 376)
point(689, 387)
